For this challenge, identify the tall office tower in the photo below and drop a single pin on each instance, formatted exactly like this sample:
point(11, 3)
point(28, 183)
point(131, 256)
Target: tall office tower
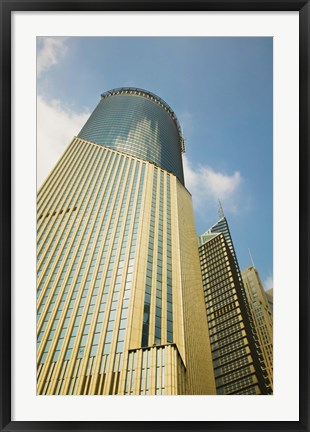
point(261, 314)
point(237, 358)
point(120, 300)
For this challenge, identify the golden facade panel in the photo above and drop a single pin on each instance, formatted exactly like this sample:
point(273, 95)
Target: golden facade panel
point(120, 300)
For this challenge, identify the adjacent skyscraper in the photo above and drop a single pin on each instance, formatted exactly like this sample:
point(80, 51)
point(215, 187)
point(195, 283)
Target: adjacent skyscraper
point(237, 359)
point(261, 314)
point(120, 299)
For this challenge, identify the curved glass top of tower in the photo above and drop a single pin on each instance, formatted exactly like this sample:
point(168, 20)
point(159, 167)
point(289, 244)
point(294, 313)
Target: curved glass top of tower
point(139, 123)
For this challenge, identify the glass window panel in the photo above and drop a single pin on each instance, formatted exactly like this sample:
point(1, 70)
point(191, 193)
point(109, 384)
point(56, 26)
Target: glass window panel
point(121, 335)
point(106, 349)
point(123, 324)
point(120, 346)
point(96, 338)
point(68, 354)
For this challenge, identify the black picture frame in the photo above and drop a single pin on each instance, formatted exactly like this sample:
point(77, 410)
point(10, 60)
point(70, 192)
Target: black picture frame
point(7, 7)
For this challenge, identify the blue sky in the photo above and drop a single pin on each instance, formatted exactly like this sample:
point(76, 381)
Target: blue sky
point(221, 92)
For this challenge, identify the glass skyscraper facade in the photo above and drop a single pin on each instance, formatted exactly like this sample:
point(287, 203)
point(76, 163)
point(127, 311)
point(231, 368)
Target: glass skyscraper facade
point(140, 124)
point(120, 307)
point(237, 358)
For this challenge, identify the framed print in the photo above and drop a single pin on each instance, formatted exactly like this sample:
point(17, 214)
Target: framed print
point(136, 323)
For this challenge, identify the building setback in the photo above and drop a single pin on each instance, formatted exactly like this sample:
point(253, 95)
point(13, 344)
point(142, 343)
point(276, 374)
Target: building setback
point(237, 359)
point(261, 315)
point(120, 307)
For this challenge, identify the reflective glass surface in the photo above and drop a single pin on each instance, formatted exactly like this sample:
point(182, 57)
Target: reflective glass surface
point(139, 126)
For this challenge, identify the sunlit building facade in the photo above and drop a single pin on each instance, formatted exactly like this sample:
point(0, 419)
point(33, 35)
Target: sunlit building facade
point(120, 307)
point(261, 314)
point(237, 358)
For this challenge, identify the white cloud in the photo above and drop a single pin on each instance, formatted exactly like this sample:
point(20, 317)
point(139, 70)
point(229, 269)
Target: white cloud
point(268, 284)
point(56, 126)
point(50, 50)
point(207, 186)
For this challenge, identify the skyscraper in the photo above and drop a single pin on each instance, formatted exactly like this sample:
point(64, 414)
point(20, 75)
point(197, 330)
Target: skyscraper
point(237, 358)
point(120, 306)
point(261, 314)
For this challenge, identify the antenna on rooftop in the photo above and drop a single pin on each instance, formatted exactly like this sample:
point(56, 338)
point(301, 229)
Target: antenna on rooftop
point(251, 258)
point(220, 210)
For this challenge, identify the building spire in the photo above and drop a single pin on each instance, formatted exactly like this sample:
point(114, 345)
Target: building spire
point(251, 258)
point(220, 210)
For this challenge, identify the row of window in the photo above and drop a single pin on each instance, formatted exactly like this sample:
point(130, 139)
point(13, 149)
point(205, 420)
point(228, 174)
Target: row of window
point(79, 182)
point(82, 231)
point(226, 331)
point(148, 282)
point(144, 369)
point(79, 242)
point(47, 199)
point(237, 386)
point(241, 343)
point(90, 273)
